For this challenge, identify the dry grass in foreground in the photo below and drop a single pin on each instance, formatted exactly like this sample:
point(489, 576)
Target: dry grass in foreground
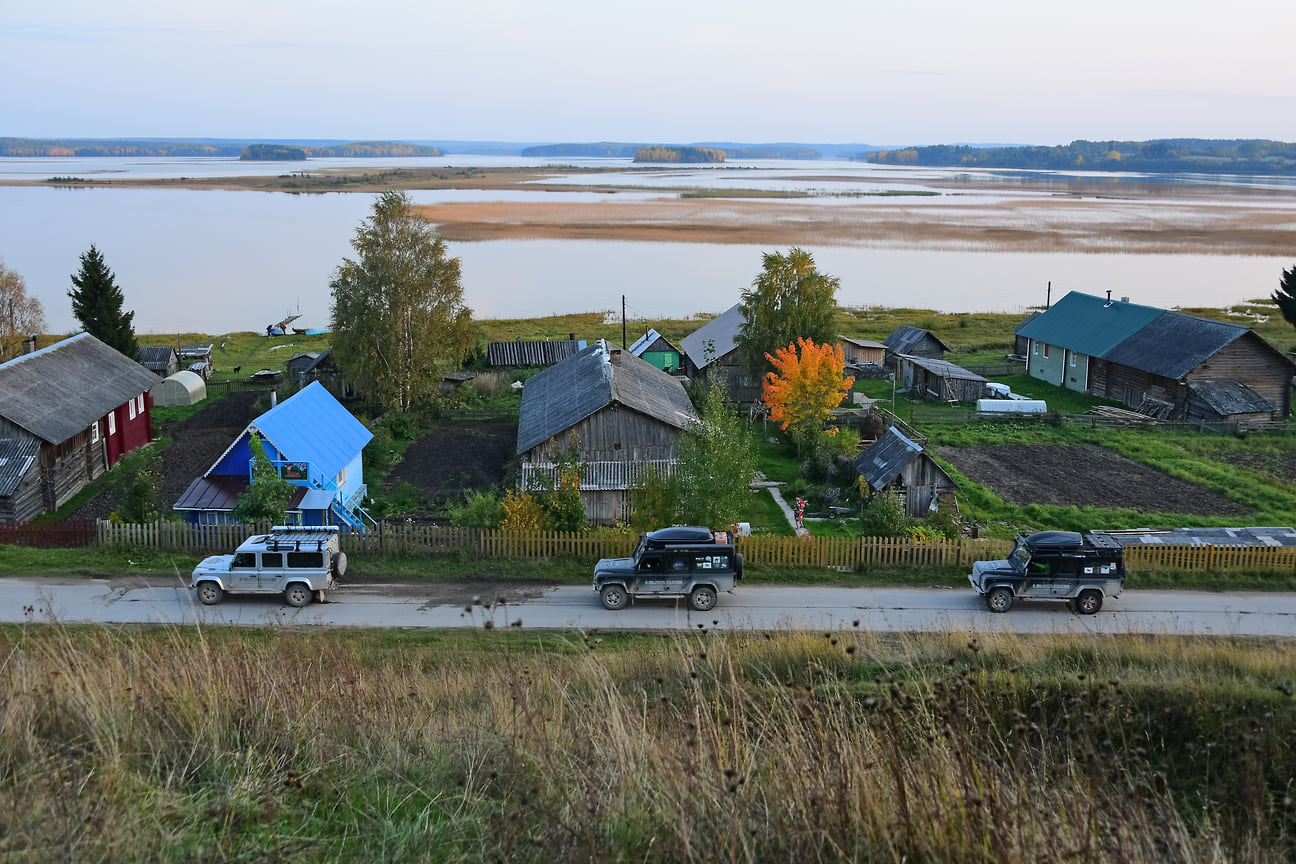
point(205, 745)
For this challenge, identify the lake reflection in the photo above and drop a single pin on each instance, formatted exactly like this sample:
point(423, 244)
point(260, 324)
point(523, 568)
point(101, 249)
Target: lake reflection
point(221, 261)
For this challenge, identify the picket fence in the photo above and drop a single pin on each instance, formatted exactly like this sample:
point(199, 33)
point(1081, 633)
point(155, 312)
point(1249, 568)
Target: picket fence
point(842, 553)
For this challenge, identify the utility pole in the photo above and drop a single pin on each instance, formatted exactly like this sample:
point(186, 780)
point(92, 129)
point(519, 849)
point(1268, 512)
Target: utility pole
point(623, 329)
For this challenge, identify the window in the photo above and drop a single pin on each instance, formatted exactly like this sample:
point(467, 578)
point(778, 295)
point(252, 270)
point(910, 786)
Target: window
point(1046, 347)
point(310, 560)
point(94, 432)
point(131, 408)
point(1073, 362)
point(1035, 348)
point(271, 560)
point(112, 424)
point(244, 561)
point(341, 479)
point(141, 402)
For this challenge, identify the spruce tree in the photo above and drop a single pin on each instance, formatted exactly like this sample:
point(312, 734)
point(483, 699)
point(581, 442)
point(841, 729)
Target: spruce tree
point(97, 303)
point(1285, 296)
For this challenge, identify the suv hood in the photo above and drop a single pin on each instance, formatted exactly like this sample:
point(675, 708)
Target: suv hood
point(215, 564)
point(1002, 567)
point(614, 565)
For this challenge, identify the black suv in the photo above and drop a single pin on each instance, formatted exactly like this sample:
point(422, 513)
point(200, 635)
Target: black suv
point(683, 561)
point(1054, 565)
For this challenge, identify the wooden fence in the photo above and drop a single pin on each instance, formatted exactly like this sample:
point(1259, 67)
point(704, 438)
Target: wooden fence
point(842, 553)
point(67, 534)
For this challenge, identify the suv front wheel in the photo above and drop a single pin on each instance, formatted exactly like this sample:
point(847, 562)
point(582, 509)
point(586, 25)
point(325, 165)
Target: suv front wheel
point(613, 597)
point(999, 599)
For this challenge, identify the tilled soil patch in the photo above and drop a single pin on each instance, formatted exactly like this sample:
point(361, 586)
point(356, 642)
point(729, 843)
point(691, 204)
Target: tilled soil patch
point(1083, 475)
point(450, 459)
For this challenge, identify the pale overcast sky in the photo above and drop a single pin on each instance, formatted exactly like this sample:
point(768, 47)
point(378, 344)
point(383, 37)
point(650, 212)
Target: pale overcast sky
point(837, 71)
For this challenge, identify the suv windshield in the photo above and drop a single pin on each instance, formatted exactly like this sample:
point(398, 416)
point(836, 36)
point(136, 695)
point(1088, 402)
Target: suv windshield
point(1020, 556)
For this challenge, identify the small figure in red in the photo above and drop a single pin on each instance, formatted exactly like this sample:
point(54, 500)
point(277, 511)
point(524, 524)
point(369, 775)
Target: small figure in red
point(800, 512)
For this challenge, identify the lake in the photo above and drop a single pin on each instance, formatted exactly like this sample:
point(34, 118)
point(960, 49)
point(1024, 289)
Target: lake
point(222, 261)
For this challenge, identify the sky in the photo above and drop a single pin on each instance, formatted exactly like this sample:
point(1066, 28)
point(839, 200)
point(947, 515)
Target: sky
point(666, 71)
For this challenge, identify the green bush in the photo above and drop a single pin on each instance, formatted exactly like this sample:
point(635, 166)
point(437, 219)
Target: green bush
point(479, 510)
point(884, 516)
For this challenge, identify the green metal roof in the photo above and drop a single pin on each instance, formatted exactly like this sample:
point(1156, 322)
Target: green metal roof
point(1088, 324)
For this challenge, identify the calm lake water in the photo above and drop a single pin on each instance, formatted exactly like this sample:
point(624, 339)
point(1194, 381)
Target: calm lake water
point(222, 261)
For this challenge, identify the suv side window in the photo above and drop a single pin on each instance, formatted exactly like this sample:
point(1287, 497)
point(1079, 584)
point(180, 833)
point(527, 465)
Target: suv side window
point(678, 562)
point(313, 560)
point(244, 561)
point(271, 560)
point(650, 562)
point(1066, 567)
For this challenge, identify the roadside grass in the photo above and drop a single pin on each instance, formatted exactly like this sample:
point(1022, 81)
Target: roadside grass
point(484, 745)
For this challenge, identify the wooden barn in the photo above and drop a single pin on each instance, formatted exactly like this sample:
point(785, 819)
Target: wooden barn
point(912, 342)
point(1149, 358)
point(621, 412)
point(68, 413)
point(711, 355)
point(894, 462)
point(939, 380)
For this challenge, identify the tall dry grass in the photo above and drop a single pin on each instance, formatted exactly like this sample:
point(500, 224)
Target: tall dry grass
point(130, 745)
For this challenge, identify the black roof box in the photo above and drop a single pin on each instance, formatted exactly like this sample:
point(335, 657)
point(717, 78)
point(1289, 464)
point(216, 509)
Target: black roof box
point(681, 534)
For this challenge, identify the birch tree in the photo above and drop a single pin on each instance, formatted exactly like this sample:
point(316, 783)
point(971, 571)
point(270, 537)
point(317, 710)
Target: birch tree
point(20, 315)
point(789, 300)
point(398, 316)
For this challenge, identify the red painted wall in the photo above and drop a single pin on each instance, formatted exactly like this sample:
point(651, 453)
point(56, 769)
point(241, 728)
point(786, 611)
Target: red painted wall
point(129, 432)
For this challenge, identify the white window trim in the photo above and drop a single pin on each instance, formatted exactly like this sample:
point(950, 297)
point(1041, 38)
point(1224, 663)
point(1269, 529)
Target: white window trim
point(112, 423)
point(131, 408)
point(94, 432)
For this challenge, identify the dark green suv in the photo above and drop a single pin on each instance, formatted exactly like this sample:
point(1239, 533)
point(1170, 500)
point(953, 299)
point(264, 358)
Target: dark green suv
point(683, 561)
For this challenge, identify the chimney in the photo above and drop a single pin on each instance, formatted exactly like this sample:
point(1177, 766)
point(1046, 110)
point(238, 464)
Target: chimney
point(29, 344)
point(1108, 303)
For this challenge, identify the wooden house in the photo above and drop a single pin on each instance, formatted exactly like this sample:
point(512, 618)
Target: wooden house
point(325, 370)
point(162, 360)
point(939, 380)
point(197, 359)
point(912, 342)
point(654, 348)
point(1149, 359)
point(68, 413)
point(861, 351)
point(297, 365)
point(620, 412)
point(314, 443)
point(896, 463)
point(710, 354)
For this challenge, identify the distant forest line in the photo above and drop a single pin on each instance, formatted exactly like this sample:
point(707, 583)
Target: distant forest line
point(613, 150)
point(1163, 155)
point(145, 147)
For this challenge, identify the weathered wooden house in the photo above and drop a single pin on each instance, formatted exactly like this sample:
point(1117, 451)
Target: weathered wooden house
point(68, 413)
point(896, 463)
point(325, 370)
point(711, 355)
point(162, 360)
point(912, 342)
point(1149, 358)
point(197, 359)
point(620, 412)
point(296, 366)
point(939, 380)
point(654, 348)
point(533, 353)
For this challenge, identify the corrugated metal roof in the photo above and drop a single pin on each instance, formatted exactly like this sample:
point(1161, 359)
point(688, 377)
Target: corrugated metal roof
point(155, 357)
point(904, 337)
point(644, 342)
point(1227, 398)
point(886, 458)
point(861, 343)
point(312, 426)
point(714, 339)
point(221, 492)
point(943, 368)
point(1088, 324)
point(519, 353)
point(1173, 344)
point(58, 391)
point(17, 450)
point(565, 394)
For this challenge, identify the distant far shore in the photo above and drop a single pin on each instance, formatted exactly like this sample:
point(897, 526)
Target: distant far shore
point(1014, 213)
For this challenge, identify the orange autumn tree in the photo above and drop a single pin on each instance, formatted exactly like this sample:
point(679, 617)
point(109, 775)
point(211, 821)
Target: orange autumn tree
point(806, 385)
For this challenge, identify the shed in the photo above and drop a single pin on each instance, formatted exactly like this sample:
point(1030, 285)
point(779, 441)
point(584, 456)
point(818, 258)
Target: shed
point(913, 342)
point(192, 355)
point(161, 360)
point(298, 364)
point(940, 380)
point(654, 348)
point(860, 351)
point(1210, 401)
point(711, 355)
point(182, 388)
point(897, 463)
point(534, 353)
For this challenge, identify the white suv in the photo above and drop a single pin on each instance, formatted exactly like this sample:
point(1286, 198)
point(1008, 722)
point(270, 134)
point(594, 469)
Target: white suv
point(298, 561)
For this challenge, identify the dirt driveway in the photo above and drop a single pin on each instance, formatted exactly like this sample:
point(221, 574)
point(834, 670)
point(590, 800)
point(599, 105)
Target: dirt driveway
point(1083, 475)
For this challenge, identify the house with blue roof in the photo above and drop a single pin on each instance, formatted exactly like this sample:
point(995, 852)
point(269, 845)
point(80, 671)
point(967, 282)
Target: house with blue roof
point(314, 443)
point(1160, 362)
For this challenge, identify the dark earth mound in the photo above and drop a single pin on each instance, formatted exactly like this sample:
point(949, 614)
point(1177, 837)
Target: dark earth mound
point(450, 459)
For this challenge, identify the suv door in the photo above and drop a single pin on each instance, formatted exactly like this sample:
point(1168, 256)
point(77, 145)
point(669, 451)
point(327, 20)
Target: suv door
point(243, 572)
point(272, 571)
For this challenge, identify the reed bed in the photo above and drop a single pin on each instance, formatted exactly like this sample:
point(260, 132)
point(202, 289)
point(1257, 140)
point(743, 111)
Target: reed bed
point(215, 745)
